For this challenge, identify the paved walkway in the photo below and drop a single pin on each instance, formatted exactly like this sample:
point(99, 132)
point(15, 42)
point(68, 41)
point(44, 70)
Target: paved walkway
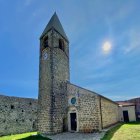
point(77, 136)
point(80, 136)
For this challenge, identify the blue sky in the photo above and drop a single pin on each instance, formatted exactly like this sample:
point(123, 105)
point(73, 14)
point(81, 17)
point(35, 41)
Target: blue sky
point(88, 25)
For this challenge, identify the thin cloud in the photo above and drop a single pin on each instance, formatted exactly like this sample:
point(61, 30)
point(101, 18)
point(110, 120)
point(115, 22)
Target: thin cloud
point(123, 12)
point(134, 41)
point(28, 2)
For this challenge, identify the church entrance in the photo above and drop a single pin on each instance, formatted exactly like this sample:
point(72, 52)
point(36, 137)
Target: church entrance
point(125, 116)
point(73, 121)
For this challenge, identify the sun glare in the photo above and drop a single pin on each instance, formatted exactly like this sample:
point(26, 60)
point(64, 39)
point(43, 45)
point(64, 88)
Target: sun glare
point(106, 47)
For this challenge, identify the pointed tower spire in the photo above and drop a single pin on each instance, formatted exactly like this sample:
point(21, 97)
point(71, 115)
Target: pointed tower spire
point(55, 24)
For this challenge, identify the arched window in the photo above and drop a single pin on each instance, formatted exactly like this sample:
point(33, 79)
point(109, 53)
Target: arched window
point(46, 42)
point(61, 44)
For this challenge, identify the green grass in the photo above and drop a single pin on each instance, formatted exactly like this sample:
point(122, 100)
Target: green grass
point(126, 131)
point(25, 136)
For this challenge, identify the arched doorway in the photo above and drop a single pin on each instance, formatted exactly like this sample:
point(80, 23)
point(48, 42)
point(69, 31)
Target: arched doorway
point(73, 121)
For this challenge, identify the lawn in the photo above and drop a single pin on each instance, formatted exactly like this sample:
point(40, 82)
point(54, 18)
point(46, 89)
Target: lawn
point(25, 136)
point(126, 131)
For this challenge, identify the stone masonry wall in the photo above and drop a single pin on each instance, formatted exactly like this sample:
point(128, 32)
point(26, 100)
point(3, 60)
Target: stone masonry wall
point(53, 74)
point(86, 107)
point(61, 75)
point(45, 87)
point(110, 112)
point(17, 115)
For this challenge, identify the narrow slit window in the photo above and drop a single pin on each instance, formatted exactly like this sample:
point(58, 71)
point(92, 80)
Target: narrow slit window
point(46, 42)
point(61, 44)
point(12, 107)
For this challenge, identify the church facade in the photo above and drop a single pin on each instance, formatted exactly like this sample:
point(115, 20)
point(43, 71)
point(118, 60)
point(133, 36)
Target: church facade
point(63, 106)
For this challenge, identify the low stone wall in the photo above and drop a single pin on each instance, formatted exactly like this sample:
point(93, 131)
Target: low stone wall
point(86, 107)
point(17, 115)
point(109, 112)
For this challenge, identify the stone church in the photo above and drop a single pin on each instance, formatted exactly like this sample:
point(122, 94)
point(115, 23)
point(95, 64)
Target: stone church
point(61, 105)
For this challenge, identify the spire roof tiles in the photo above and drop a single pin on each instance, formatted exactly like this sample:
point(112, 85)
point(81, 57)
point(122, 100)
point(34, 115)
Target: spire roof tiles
point(55, 24)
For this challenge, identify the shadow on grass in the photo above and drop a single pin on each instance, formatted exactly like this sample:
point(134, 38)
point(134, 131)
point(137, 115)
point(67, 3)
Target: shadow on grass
point(109, 134)
point(35, 137)
point(133, 123)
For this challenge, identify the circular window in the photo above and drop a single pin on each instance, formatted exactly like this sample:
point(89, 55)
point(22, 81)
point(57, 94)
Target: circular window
point(73, 100)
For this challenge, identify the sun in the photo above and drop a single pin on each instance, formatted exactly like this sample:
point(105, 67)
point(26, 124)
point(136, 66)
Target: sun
point(106, 47)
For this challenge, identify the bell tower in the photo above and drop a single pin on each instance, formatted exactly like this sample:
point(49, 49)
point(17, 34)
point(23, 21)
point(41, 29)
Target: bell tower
point(53, 75)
